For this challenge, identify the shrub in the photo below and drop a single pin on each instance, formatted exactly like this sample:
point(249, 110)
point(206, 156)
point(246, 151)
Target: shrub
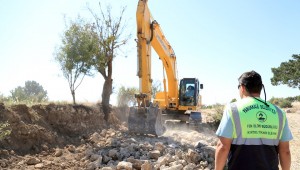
point(233, 100)
point(282, 102)
point(285, 104)
point(215, 117)
point(298, 98)
point(218, 114)
point(4, 131)
point(206, 107)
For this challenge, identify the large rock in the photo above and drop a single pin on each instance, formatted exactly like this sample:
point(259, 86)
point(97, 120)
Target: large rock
point(58, 152)
point(159, 146)
point(175, 167)
point(136, 163)
point(95, 157)
point(39, 166)
point(124, 166)
point(154, 154)
point(107, 168)
point(193, 156)
point(113, 154)
point(147, 166)
point(190, 166)
point(33, 161)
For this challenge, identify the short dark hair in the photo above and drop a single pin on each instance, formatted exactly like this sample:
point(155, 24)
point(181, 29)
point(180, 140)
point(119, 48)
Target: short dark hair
point(252, 81)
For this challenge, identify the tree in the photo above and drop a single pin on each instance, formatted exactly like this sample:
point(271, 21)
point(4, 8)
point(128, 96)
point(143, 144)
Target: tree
point(126, 96)
point(35, 92)
point(75, 55)
point(18, 94)
point(288, 73)
point(32, 91)
point(156, 87)
point(110, 40)
point(2, 97)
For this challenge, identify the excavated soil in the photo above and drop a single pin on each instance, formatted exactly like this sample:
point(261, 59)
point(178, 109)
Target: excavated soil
point(34, 128)
point(76, 137)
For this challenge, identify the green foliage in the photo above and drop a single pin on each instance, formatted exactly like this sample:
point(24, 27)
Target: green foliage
point(31, 92)
point(18, 94)
point(75, 55)
point(110, 36)
point(219, 108)
point(233, 100)
point(126, 96)
point(4, 131)
point(156, 87)
point(293, 99)
point(281, 102)
point(109, 31)
point(288, 73)
point(216, 116)
point(206, 107)
point(4, 99)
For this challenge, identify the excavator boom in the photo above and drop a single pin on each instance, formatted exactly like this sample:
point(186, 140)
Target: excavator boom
point(146, 117)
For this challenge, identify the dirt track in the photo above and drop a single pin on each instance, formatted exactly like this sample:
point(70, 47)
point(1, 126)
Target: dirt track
point(294, 119)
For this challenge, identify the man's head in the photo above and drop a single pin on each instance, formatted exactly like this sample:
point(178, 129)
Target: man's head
point(251, 81)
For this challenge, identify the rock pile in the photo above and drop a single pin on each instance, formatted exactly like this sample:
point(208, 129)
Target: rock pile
point(116, 150)
point(76, 137)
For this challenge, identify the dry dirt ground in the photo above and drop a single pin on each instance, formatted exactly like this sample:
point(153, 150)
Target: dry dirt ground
point(293, 116)
point(76, 137)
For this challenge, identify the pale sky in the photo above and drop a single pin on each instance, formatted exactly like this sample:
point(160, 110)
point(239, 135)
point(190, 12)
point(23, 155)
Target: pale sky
point(215, 41)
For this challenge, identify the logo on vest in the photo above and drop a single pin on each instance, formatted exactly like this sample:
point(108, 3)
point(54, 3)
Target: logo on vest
point(261, 116)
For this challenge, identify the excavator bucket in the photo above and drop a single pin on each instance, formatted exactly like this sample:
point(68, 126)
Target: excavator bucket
point(146, 121)
point(195, 120)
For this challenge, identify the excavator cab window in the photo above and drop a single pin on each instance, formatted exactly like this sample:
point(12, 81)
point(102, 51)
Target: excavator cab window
point(189, 91)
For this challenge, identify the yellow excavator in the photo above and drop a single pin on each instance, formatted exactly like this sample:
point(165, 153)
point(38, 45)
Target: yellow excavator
point(178, 101)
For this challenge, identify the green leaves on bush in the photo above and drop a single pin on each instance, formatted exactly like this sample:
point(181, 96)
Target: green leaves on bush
point(126, 96)
point(281, 102)
point(4, 131)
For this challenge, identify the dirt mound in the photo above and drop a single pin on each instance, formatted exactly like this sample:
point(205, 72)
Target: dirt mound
point(34, 128)
point(76, 137)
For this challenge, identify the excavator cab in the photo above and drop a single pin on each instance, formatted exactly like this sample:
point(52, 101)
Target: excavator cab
point(189, 92)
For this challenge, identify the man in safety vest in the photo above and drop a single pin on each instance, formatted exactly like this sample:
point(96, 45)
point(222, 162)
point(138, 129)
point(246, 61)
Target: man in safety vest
point(253, 132)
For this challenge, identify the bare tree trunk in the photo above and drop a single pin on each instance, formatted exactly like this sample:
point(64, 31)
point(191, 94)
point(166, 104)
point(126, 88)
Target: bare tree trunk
point(107, 91)
point(73, 96)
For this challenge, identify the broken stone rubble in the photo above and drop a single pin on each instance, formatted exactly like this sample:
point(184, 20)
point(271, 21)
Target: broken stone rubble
point(125, 151)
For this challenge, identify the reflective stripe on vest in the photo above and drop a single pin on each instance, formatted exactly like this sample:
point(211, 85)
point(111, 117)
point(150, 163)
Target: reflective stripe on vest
point(281, 121)
point(238, 137)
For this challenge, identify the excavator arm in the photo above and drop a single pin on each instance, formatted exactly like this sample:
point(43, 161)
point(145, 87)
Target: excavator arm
point(150, 35)
point(146, 118)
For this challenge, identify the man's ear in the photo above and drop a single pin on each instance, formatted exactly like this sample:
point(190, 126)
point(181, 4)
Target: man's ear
point(244, 90)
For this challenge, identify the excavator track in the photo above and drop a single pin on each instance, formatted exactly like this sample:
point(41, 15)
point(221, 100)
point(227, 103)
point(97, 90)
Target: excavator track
point(179, 120)
point(146, 121)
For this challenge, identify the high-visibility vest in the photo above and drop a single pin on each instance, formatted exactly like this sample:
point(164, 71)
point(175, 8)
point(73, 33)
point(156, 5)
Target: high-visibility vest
point(254, 123)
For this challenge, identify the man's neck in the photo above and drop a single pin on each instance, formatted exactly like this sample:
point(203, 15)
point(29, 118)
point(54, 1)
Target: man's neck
point(251, 95)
